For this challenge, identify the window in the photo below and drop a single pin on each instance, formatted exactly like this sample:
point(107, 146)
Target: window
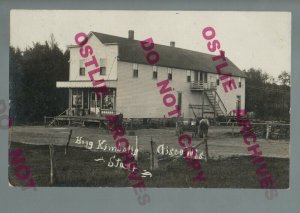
point(218, 82)
point(102, 66)
point(154, 72)
point(82, 71)
point(179, 100)
point(77, 98)
point(135, 71)
point(102, 70)
point(238, 102)
point(188, 75)
point(169, 73)
point(240, 83)
point(108, 102)
point(81, 68)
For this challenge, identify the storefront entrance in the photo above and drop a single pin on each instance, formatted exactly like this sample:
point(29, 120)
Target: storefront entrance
point(85, 102)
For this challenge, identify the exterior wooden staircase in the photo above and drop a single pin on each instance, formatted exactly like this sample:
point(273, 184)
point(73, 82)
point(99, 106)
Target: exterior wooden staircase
point(216, 102)
point(216, 105)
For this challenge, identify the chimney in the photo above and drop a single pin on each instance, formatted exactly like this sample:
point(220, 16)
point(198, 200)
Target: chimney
point(172, 43)
point(131, 35)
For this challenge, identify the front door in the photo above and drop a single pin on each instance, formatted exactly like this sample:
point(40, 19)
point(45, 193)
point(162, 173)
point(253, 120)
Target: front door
point(93, 104)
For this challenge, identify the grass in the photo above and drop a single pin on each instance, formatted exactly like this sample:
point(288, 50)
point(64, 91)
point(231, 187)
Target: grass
point(78, 168)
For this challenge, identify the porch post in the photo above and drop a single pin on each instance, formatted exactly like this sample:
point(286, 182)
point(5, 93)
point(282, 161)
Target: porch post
point(115, 100)
point(96, 100)
point(88, 94)
point(100, 108)
point(82, 99)
point(215, 106)
point(202, 103)
point(70, 100)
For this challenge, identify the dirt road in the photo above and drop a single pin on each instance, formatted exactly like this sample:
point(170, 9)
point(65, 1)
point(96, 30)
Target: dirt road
point(220, 142)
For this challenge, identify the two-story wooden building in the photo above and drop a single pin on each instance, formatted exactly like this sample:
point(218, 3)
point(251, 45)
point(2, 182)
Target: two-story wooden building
point(132, 81)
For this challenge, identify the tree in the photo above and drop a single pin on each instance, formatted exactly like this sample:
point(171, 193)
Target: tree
point(284, 78)
point(265, 97)
point(33, 78)
point(15, 80)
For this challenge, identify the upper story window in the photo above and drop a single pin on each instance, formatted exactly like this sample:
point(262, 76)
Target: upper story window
point(82, 67)
point(154, 72)
point(102, 66)
point(218, 82)
point(135, 71)
point(240, 83)
point(102, 70)
point(170, 73)
point(188, 75)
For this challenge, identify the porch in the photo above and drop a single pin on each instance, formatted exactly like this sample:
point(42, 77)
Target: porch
point(71, 120)
point(85, 102)
point(206, 88)
point(201, 85)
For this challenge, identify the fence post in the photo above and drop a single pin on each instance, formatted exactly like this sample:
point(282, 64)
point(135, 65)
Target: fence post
point(268, 131)
point(45, 121)
point(232, 131)
point(206, 149)
point(67, 145)
point(137, 148)
point(176, 126)
point(153, 159)
point(51, 163)
point(151, 155)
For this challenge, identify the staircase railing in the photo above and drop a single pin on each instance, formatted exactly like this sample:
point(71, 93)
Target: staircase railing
point(220, 103)
point(52, 122)
point(64, 112)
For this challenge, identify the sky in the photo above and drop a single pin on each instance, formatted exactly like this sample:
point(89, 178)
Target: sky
point(250, 39)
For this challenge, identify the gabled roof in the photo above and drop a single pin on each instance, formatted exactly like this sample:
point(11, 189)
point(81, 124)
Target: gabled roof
point(173, 57)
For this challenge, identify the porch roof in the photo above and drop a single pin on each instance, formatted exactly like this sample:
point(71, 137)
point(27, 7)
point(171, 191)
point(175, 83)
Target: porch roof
point(81, 84)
